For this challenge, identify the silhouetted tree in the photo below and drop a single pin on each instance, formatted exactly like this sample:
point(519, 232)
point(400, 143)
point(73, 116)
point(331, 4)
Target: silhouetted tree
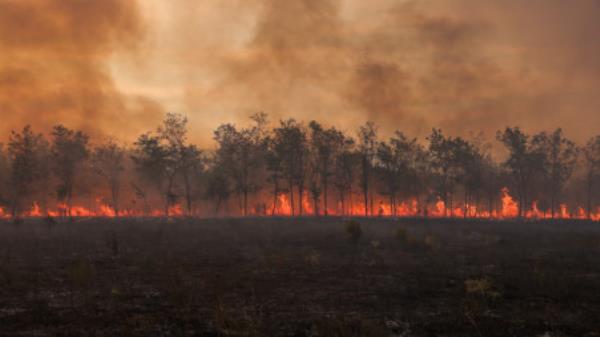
point(523, 162)
point(367, 147)
point(324, 145)
point(443, 152)
point(192, 167)
point(108, 162)
point(218, 188)
point(591, 156)
point(397, 160)
point(289, 146)
point(25, 151)
point(559, 159)
point(4, 176)
point(161, 156)
point(69, 152)
point(346, 163)
point(241, 155)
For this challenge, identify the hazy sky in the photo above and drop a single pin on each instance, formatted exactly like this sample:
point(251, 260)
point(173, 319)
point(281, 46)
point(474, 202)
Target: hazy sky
point(113, 67)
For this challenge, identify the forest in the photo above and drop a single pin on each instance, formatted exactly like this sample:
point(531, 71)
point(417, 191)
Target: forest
point(293, 168)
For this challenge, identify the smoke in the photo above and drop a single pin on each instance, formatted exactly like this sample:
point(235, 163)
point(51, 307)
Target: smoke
point(54, 66)
point(462, 65)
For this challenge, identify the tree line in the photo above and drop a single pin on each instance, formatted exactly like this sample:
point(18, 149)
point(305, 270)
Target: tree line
point(319, 170)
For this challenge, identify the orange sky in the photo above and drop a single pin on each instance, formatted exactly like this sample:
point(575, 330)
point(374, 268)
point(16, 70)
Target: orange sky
point(114, 67)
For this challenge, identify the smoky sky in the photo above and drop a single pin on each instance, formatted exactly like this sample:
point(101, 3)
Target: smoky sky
point(53, 65)
point(462, 65)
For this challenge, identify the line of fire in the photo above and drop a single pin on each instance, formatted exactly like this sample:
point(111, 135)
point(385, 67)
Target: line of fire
point(298, 169)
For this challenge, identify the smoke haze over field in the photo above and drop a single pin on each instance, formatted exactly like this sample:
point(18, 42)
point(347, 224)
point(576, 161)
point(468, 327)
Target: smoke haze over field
point(113, 67)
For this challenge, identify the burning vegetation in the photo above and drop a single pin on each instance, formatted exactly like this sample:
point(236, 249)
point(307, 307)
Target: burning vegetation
point(297, 169)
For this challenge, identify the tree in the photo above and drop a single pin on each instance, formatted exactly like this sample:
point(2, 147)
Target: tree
point(324, 146)
point(396, 161)
point(162, 155)
point(154, 165)
point(108, 162)
point(444, 158)
point(4, 177)
point(591, 156)
point(191, 167)
point(69, 152)
point(367, 147)
point(559, 160)
point(289, 146)
point(345, 171)
point(218, 188)
point(241, 155)
point(523, 162)
point(25, 151)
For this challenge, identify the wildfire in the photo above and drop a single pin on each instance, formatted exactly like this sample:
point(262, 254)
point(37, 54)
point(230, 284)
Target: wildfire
point(510, 209)
point(283, 207)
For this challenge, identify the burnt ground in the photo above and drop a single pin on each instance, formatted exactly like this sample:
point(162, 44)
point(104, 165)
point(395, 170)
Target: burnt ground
point(299, 277)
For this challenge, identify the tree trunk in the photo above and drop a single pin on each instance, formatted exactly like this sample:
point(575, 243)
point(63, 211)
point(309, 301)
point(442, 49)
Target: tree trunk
point(589, 196)
point(292, 197)
point(325, 195)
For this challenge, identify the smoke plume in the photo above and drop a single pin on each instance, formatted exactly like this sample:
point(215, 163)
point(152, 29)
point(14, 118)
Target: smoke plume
point(54, 65)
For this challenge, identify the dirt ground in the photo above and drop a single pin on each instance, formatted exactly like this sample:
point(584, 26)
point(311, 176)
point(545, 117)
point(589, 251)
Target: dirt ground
point(299, 277)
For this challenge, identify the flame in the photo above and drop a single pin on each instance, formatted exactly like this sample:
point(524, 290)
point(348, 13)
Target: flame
point(510, 209)
point(283, 207)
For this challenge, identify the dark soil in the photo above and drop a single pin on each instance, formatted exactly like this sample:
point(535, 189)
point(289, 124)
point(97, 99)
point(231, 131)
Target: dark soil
point(299, 277)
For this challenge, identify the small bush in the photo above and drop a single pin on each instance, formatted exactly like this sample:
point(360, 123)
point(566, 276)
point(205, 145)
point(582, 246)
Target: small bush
point(313, 258)
point(354, 230)
point(482, 287)
point(402, 235)
point(432, 242)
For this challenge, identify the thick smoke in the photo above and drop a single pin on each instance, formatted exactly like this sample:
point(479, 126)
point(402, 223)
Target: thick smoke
point(460, 65)
point(54, 66)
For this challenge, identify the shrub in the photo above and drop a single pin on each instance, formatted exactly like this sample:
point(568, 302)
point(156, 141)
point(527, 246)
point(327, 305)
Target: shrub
point(482, 287)
point(402, 235)
point(354, 230)
point(432, 242)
